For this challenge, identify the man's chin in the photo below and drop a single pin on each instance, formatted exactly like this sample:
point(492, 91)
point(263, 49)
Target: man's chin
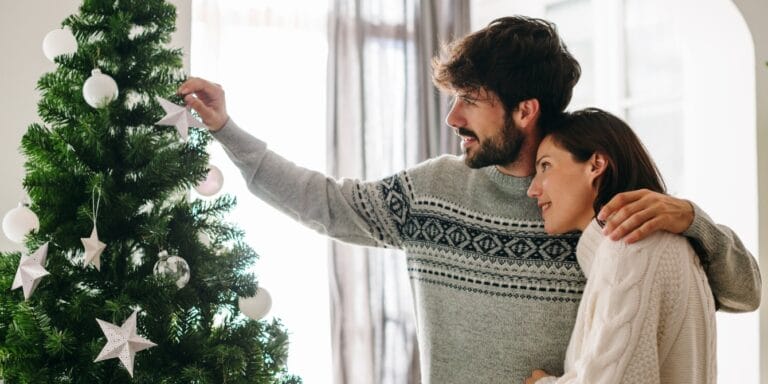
point(473, 162)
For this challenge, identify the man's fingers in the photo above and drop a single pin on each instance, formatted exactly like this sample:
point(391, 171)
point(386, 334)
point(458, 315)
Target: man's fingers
point(203, 110)
point(195, 85)
point(191, 85)
point(619, 217)
point(618, 201)
point(644, 230)
point(632, 222)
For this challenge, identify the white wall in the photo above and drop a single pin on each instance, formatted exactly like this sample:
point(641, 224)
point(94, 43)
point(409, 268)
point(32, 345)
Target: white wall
point(719, 115)
point(755, 13)
point(23, 25)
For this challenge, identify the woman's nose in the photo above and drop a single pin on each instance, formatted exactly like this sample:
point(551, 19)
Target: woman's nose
point(533, 190)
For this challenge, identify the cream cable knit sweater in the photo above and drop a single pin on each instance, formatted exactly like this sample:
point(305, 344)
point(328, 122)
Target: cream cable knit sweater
point(647, 314)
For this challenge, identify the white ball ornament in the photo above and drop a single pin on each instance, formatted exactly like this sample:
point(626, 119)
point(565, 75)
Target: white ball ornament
point(172, 267)
point(212, 183)
point(59, 42)
point(256, 307)
point(18, 222)
point(99, 90)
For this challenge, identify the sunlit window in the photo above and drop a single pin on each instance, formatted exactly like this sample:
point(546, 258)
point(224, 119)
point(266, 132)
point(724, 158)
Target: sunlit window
point(270, 57)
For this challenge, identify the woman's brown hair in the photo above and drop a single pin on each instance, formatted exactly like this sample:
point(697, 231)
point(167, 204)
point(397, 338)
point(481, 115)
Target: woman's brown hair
point(592, 130)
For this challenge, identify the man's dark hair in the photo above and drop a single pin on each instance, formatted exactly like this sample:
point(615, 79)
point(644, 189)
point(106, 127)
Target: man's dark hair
point(518, 58)
point(592, 130)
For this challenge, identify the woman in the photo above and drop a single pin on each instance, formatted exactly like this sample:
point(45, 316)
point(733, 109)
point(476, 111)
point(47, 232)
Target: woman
point(647, 314)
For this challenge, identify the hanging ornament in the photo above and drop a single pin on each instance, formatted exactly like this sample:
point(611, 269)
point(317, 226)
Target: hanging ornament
point(122, 342)
point(93, 246)
point(212, 183)
point(256, 307)
point(59, 42)
point(179, 117)
point(204, 238)
point(100, 89)
point(18, 222)
point(172, 267)
point(31, 270)
point(93, 249)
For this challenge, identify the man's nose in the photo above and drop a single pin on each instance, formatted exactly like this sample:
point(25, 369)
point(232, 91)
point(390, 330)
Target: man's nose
point(455, 117)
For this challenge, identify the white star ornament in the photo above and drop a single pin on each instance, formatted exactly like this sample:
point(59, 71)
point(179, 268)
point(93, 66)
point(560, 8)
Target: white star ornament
point(122, 342)
point(178, 116)
point(93, 249)
point(31, 271)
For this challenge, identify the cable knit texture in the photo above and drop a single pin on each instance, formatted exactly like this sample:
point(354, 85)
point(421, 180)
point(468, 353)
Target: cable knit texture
point(495, 296)
point(647, 314)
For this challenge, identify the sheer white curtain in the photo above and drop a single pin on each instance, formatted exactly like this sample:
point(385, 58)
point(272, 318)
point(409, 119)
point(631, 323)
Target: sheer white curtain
point(270, 57)
point(384, 115)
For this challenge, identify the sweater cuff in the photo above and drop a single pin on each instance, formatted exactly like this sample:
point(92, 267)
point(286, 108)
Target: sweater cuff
point(700, 227)
point(547, 380)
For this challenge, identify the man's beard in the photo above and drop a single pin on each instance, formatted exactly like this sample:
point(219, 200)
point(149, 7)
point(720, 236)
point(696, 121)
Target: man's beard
point(499, 149)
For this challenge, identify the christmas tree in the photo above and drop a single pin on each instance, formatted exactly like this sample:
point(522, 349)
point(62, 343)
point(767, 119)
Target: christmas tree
point(119, 237)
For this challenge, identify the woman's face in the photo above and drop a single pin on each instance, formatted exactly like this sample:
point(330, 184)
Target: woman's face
point(564, 188)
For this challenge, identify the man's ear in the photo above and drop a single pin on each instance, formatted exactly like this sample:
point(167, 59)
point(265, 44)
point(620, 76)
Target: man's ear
point(598, 163)
point(526, 115)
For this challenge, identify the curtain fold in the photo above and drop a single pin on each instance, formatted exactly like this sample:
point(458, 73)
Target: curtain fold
point(384, 115)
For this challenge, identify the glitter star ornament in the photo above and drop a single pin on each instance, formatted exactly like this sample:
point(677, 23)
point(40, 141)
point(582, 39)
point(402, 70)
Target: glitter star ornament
point(179, 117)
point(93, 249)
point(122, 342)
point(31, 271)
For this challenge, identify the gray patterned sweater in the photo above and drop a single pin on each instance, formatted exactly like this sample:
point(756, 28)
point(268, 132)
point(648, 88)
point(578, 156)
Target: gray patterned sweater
point(495, 296)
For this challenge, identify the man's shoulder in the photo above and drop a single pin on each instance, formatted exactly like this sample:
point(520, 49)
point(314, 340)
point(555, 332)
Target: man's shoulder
point(440, 165)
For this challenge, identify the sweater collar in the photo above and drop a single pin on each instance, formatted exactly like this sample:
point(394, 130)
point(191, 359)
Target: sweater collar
point(588, 243)
point(511, 182)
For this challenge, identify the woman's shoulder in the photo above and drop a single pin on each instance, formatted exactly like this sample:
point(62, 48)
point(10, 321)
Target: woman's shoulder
point(663, 250)
point(659, 242)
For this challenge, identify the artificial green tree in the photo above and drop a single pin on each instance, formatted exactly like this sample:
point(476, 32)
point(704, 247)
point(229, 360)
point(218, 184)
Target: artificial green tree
point(138, 174)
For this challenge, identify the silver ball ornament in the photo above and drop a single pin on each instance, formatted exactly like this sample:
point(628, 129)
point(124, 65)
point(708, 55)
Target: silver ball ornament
point(99, 90)
point(212, 183)
point(19, 222)
point(172, 267)
point(59, 42)
point(257, 306)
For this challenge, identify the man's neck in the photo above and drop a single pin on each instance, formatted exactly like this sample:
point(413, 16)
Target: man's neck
point(524, 165)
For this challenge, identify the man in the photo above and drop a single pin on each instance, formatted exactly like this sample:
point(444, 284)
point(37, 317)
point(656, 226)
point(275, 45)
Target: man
point(495, 296)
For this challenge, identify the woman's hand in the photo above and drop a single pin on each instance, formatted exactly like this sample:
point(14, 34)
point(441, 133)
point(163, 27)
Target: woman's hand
point(535, 376)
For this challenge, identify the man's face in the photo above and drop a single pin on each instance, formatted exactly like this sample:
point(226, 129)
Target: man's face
point(489, 136)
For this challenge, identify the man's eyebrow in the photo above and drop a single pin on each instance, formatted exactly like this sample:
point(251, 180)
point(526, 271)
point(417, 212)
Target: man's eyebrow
point(467, 95)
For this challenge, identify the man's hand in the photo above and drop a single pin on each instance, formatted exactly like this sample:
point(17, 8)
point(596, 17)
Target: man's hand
point(535, 376)
point(636, 214)
point(207, 99)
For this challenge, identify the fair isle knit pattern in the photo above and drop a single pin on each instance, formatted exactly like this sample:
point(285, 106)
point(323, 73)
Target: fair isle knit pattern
point(431, 228)
point(495, 297)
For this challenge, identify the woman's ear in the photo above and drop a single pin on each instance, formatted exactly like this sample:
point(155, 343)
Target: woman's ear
point(598, 163)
